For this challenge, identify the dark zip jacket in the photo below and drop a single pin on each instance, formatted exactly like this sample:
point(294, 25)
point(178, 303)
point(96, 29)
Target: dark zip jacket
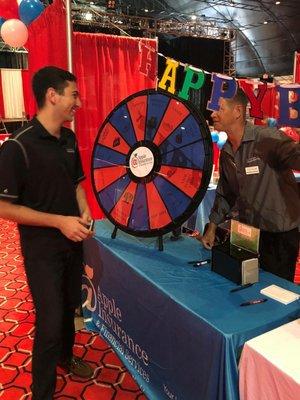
point(256, 184)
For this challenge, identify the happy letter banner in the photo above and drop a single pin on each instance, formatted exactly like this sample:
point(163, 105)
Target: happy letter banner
point(225, 87)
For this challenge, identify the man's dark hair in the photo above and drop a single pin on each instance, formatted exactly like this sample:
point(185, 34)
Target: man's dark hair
point(47, 77)
point(239, 98)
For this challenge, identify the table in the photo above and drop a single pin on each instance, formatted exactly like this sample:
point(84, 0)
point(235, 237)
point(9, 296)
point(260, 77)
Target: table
point(177, 328)
point(269, 367)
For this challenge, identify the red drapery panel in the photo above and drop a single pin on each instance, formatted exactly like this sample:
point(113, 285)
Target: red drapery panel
point(26, 89)
point(216, 156)
point(107, 68)
point(47, 45)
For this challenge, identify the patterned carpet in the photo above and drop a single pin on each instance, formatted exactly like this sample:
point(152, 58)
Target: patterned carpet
point(111, 381)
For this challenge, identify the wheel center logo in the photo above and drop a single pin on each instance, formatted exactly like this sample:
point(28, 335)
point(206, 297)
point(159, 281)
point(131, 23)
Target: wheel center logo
point(141, 162)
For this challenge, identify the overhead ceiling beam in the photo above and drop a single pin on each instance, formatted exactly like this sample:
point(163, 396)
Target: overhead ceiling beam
point(279, 22)
point(245, 37)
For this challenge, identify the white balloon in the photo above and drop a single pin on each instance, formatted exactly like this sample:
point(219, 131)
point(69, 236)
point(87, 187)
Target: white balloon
point(222, 136)
point(19, 1)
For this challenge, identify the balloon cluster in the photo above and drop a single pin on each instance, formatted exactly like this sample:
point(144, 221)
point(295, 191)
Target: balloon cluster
point(15, 16)
point(219, 138)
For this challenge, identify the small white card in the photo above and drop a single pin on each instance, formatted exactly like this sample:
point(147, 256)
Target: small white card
point(252, 170)
point(277, 293)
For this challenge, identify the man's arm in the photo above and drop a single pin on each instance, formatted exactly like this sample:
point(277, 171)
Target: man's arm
point(71, 227)
point(219, 211)
point(281, 150)
point(222, 205)
point(83, 204)
point(208, 238)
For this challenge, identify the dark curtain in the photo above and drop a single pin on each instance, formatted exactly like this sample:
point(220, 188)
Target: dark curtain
point(10, 59)
point(207, 54)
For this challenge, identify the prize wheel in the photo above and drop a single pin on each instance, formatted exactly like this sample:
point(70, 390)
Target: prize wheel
point(151, 163)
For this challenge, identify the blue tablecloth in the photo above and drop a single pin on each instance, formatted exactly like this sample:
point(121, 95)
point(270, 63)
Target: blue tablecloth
point(177, 328)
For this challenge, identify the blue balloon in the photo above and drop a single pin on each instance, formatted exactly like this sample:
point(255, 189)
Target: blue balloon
point(221, 143)
point(2, 20)
point(29, 10)
point(214, 136)
point(272, 122)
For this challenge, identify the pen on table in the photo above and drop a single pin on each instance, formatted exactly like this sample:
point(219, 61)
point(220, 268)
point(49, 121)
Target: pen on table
point(252, 302)
point(241, 287)
point(199, 262)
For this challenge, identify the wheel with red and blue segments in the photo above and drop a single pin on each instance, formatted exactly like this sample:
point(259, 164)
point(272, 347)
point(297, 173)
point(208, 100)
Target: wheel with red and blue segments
point(151, 163)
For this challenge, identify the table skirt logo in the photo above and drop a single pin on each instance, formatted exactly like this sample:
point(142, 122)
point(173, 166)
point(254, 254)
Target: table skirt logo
point(88, 289)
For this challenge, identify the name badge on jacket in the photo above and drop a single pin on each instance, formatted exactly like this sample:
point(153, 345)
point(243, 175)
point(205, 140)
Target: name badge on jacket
point(252, 170)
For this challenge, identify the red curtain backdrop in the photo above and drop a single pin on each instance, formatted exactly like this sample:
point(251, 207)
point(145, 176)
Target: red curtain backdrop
point(47, 45)
point(107, 68)
point(26, 89)
point(216, 156)
point(297, 68)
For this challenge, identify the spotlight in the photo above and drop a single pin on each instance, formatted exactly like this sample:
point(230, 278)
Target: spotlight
point(223, 34)
point(88, 16)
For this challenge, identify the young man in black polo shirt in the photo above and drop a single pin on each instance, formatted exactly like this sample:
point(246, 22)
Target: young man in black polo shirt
point(40, 189)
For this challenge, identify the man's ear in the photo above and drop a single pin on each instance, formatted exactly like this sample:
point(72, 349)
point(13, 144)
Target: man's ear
point(51, 95)
point(239, 111)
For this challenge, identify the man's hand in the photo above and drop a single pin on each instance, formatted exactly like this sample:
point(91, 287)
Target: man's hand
point(74, 228)
point(86, 217)
point(208, 238)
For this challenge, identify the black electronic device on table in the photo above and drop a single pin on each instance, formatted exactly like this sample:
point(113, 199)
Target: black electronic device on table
point(235, 263)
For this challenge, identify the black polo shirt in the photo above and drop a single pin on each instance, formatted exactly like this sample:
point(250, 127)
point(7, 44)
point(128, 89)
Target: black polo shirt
point(39, 171)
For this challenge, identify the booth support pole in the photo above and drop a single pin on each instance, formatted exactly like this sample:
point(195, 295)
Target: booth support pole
point(69, 42)
point(295, 66)
point(69, 34)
